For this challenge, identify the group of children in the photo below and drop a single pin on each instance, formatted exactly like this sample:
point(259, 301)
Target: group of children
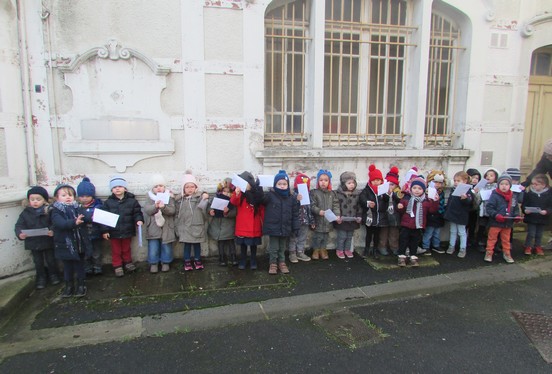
point(403, 220)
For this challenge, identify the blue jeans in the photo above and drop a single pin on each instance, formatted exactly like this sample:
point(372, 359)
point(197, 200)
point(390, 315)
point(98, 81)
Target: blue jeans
point(432, 237)
point(344, 240)
point(460, 230)
point(534, 234)
point(188, 251)
point(156, 248)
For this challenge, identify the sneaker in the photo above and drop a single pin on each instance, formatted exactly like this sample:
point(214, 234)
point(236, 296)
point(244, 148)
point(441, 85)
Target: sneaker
point(130, 267)
point(198, 265)
point(421, 251)
point(507, 258)
point(438, 250)
point(119, 272)
point(165, 268)
point(89, 271)
point(528, 251)
point(40, 283)
point(154, 268)
point(450, 250)
point(462, 253)
point(340, 254)
point(383, 251)
point(349, 254)
point(414, 261)
point(428, 253)
point(188, 265)
point(324, 254)
point(316, 254)
point(283, 268)
point(273, 269)
point(302, 256)
point(488, 256)
point(402, 261)
point(539, 251)
point(293, 257)
point(98, 270)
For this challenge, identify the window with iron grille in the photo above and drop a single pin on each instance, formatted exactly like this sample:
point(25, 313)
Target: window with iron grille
point(443, 57)
point(286, 36)
point(364, 71)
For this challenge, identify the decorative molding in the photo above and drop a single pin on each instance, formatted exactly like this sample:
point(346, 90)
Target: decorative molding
point(112, 51)
point(528, 27)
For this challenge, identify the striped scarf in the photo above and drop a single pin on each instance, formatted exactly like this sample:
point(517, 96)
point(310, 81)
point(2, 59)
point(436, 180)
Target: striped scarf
point(418, 215)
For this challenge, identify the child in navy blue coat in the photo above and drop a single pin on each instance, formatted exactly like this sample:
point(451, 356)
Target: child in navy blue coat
point(86, 193)
point(457, 213)
point(537, 206)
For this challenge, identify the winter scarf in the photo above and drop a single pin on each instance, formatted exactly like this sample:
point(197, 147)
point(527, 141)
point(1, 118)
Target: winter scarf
point(418, 215)
point(508, 197)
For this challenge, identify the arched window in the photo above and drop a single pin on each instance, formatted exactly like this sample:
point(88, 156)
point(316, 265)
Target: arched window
point(541, 63)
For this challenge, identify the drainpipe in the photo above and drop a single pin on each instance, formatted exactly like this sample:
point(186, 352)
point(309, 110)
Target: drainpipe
point(26, 92)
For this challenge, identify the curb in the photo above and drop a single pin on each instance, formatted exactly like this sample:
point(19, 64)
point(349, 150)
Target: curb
point(13, 291)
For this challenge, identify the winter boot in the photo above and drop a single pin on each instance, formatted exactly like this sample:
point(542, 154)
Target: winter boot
point(402, 261)
point(243, 258)
point(324, 254)
point(40, 283)
point(81, 288)
point(253, 262)
point(539, 251)
point(54, 279)
point(414, 261)
point(283, 268)
point(273, 269)
point(316, 254)
point(68, 290)
point(222, 258)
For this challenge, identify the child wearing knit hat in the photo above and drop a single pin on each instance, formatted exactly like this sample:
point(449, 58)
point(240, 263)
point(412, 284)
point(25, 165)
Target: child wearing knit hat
point(190, 219)
point(370, 204)
point(280, 220)
point(475, 177)
point(350, 214)
point(297, 241)
point(34, 216)
point(503, 210)
point(414, 207)
point(537, 206)
point(431, 240)
point(159, 222)
point(86, 193)
point(124, 204)
point(491, 176)
point(457, 214)
point(322, 199)
point(389, 215)
point(223, 224)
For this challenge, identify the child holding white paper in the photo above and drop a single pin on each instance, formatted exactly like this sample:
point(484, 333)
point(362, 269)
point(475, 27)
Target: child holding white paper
point(223, 224)
point(70, 239)
point(372, 206)
point(36, 216)
point(538, 196)
point(249, 219)
point(297, 241)
point(191, 215)
point(86, 193)
point(475, 178)
point(491, 175)
point(390, 217)
point(159, 222)
point(458, 209)
point(322, 199)
point(431, 240)
point(348, 197)
point(125, 205)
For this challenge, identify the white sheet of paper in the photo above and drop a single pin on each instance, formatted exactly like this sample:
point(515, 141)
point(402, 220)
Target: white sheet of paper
point(383, 188)
point(532, 209)
point(140, 241)
point(35, 232)
point(485, 194)
point(239, 182)
point(330, 216)
point(431, 193)
point(303, 190)
point(461, 189)
point(105, 218)
point(482, 183)
point(266, 180)
point(219, 204)
point(431, 184)
point(202, 203)
point(407, 177)
point(164, 197)
point(515, 188)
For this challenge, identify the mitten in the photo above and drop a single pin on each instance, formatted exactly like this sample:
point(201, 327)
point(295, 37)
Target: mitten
point(500, 218)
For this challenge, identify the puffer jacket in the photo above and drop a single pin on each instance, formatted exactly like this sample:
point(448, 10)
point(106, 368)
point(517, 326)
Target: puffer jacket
point(281, 214)
point(322, 200)
point(368, 194)
point(129, 211)
point(428, 206)
point(222, 226)
point(94, 229)
point(30, 218)
point(497, 204)
point(167, 232)
point(349, 207)
point(249, 221)
point(543, 201)
point(190, 219)
point(71, 241)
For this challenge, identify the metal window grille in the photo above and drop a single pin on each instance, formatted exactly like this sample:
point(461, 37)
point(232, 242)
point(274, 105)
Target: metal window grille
point(443, 61)
point(364, 71)
point(286, 36)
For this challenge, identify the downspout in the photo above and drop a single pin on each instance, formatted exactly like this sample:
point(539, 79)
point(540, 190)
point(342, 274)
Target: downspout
point(26, 92)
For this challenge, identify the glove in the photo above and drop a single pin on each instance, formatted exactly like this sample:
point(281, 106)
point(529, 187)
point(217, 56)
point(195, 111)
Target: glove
point(518, 219)
point(500, 218)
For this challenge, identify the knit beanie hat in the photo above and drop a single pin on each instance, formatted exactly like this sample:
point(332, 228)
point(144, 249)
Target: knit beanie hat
point(117, 181)
point(393, 175)
point(38, 190)
point(157, 180)
point(374, 173)
point(418, 182)
point(248, 177)
point(471, 172)
point(281, 175)
point(300, 179)
point(64, 185)
point(515, 173)
point(324, 172)
point(86, 188)
point(548, 147)
point(505, 177)
point(345, 177)
point(436, 176)
point(189, 178)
